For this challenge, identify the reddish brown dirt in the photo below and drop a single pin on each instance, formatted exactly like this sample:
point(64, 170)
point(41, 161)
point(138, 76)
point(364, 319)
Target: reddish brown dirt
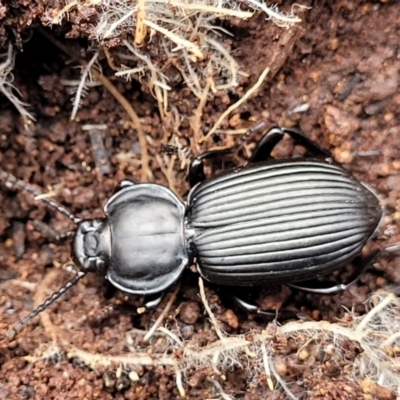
point(343, 60)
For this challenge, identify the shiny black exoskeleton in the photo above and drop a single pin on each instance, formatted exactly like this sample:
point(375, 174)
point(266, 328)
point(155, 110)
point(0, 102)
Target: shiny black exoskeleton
point(271, 221)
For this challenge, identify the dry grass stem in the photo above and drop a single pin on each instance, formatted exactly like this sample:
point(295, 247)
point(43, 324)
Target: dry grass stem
point(80, 91)
point(161, 317)
point(7, 87)
point(179, 41)
point(378, 326)
point(145, 170)
point(186, 33)
point(214, 321)
point(195, 120)
point(141, 30)
point(234, 106)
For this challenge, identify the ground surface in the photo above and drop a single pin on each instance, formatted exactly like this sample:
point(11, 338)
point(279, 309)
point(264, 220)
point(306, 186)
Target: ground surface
point(339, 67)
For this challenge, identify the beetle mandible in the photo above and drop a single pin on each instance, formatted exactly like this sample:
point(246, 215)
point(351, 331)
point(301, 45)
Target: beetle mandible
point(270, 221)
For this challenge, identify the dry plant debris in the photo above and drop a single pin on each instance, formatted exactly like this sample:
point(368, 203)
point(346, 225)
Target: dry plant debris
point(257, 354)
point(151, 35)
point(6, 84)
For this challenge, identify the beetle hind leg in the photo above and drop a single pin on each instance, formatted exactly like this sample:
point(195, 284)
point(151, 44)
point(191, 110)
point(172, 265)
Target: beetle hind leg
point(362, 264)
point(253, 309)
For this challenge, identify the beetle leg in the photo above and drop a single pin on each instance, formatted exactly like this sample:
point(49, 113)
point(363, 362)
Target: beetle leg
point(253, 309)
point(154, 302)
point(196, 167)
point(362, 265)
point(329, 290)
point(149, 304)
point(267, 143)
point(124, 183)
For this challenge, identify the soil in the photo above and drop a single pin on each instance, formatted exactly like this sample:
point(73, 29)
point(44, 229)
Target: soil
point(335, 75)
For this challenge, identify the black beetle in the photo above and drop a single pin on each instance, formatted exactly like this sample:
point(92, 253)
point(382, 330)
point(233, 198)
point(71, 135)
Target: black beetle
point(271, 221)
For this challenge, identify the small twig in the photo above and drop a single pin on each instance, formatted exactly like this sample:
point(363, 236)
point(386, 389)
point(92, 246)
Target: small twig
point(180, 41)
point(111, 29)
point(282, 382)
point(150, 333)
point(140, 33)
point(110, 58)
point(325, 326)
point(19, 282)
point(178, 380)
point(221, 392)
point(391, 339)
point(276, 15)
point(233, 65)
point(218, 11)
point(81, 86)
point(266, 362)
point(146, 172)
point(209, 312)
point(60, 15)
point(195, 121)
point(168, 173)
point(6, 86)
point(171, 335)
point(94, 360)
point(374, 311)
point(231, 131)
point(237, 104)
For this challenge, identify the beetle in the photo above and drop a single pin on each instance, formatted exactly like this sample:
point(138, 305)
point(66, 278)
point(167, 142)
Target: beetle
point(269, 222)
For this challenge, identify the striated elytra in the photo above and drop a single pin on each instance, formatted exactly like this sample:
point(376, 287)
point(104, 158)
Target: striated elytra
point(280, 221)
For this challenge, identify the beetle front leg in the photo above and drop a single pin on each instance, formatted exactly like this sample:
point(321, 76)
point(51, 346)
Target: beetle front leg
point(196, 168)
point(267, 143)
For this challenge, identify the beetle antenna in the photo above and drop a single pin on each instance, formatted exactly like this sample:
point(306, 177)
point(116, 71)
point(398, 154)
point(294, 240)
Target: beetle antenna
point(50, 300)
point(10, 181)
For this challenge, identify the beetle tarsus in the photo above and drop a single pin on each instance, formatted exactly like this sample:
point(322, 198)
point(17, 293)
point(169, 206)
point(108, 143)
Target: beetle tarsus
point(264, 147)
point(253, 309)
point(154, 302)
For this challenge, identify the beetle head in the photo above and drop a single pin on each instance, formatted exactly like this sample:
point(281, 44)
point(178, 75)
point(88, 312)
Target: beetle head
point(92, 244)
